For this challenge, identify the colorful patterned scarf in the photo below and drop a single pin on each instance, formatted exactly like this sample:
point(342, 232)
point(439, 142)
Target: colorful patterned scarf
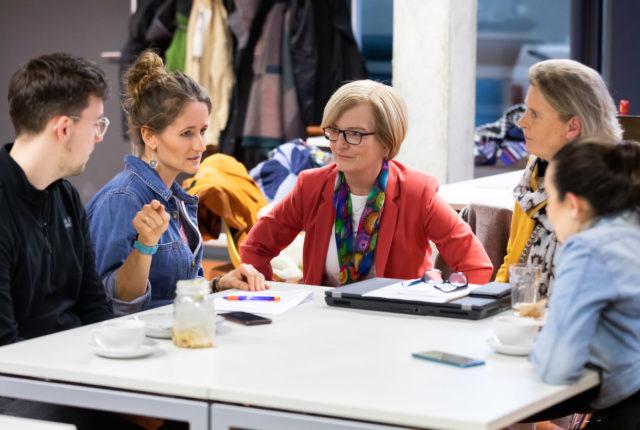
point(356, 256)
point(541, 246)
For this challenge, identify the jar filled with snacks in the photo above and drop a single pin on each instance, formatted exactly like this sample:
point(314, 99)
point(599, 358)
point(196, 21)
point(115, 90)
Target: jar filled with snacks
point(193, 315)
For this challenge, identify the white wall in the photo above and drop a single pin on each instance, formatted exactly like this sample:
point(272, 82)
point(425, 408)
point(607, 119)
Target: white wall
point(434, 61)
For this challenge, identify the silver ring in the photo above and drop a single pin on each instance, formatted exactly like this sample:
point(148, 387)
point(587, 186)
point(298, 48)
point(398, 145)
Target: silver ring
point(146, 220)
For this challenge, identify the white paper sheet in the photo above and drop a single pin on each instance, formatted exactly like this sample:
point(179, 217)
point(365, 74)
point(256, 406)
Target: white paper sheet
point(419, 292)
point(289, 299)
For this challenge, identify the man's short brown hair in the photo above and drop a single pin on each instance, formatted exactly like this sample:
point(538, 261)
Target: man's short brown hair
point(51, 85)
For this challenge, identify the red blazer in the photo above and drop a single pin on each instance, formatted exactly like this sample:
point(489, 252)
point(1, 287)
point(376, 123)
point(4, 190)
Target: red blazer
point(413, 214)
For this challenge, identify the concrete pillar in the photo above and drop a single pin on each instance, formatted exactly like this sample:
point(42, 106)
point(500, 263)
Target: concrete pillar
point(434, 63)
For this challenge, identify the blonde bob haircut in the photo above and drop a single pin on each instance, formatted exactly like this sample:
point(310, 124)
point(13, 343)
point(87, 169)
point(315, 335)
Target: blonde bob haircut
point(389, 111)
point(574, 89)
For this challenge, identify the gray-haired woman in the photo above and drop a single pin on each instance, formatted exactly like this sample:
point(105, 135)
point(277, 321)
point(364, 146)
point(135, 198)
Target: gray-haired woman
point(565, 100)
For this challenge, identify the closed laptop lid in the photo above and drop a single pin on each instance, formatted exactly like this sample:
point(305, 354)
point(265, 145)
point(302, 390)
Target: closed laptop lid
point(469, 307)
point(361, 287)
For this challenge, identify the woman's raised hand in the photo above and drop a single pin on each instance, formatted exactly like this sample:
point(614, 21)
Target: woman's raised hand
point(151, 222)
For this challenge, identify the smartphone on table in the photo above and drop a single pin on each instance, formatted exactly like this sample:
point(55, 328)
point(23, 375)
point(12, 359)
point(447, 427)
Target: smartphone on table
point(245, 318)
point(447, 358)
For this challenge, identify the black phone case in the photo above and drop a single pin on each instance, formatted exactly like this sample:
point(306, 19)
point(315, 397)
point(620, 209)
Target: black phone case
point(257, 321)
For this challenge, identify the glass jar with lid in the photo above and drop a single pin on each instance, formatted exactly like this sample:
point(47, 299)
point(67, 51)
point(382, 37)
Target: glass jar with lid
point(193, 314)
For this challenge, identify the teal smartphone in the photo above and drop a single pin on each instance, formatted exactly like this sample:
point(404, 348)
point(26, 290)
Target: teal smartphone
point(447, 358)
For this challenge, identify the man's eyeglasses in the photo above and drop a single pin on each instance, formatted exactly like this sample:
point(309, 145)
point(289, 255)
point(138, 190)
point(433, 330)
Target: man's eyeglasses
point(352, 137)
point(455, 282)
point(102, 124)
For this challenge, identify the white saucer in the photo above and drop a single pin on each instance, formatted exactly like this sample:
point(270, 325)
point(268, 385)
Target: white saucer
point(159, 324)
point(147, 347)
point(508, 349)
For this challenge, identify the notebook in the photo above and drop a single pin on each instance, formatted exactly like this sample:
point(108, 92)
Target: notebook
point(481, 302)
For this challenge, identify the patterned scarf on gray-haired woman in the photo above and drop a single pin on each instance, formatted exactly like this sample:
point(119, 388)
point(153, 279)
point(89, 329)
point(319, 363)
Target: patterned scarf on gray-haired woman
point(541, 246)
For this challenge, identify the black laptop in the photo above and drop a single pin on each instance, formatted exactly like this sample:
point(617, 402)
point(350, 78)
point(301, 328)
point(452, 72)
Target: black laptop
point(482, 302)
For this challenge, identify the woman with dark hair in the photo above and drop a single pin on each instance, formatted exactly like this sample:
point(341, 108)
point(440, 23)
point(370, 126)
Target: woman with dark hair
point(142, 223)
point(593, 190)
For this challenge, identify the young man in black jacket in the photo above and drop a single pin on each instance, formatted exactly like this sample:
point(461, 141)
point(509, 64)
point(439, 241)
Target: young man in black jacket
point(48, 281)
point(47, 275)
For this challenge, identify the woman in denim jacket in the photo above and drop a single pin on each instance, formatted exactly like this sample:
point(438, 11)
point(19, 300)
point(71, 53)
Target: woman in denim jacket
point(142, 223)
point(593, 193)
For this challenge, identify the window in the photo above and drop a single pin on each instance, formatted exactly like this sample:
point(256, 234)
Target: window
point(512, 36)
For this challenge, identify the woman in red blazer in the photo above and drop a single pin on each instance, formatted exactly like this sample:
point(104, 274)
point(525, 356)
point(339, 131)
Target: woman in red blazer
point(366, 214)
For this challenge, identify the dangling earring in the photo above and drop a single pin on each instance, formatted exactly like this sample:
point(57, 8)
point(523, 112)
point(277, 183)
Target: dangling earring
point(152, 161)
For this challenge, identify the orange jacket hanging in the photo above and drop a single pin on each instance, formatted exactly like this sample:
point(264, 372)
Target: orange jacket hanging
point(226, 191)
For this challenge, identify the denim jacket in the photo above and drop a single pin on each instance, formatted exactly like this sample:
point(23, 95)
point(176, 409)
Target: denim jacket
point(111, 212)
point(594, 310)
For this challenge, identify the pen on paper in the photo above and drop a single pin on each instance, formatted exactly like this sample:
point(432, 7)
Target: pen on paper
point(414, 282)
point(259, 298)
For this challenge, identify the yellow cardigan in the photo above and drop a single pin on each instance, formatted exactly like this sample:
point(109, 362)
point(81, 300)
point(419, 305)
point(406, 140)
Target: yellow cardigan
point(522, 225)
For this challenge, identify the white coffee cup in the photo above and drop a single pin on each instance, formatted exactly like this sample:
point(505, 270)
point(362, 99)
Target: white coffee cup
point(119, 334)
point(515, 331)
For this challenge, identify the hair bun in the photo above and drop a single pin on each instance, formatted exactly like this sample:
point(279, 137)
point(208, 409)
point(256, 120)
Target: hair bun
point(148, 68)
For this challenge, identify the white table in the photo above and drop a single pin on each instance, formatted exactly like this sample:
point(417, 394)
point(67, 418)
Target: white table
point(315, 367)
point(15, 423)
point(495, 190)
point(216, 249)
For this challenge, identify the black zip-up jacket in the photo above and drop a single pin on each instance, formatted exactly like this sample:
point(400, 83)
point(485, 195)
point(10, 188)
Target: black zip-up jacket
point(48, 281)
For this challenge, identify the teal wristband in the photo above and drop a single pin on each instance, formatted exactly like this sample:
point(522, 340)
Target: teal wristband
point(144, 249)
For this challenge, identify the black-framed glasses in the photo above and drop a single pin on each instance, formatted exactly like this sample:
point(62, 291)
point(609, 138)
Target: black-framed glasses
point(102, 124)
point(456, 281)
point(352, 137)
